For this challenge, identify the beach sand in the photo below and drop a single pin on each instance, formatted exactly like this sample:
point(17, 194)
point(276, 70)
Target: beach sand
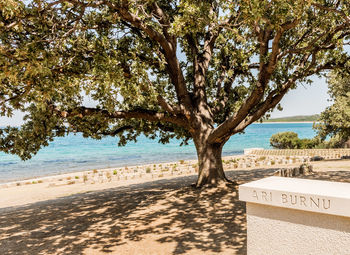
point(165, 216)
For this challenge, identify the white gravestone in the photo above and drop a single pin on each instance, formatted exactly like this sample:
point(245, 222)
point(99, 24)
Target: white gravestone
point(297, 216)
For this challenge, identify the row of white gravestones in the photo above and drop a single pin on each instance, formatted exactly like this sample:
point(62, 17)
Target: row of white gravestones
point(297, 216)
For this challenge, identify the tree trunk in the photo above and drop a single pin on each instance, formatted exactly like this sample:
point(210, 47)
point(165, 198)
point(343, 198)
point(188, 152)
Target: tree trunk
point(211, 170)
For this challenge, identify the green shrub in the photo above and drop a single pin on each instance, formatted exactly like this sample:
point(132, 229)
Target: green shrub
point(334, 142)
point(309, 143)
point(290, 140)
point(285, 140)
point(148, 170)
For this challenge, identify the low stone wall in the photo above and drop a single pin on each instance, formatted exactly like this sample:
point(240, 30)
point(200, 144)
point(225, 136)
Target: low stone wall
point(324, 153)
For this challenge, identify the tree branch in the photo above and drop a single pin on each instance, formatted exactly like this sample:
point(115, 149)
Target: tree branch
point(255, 96)
point(167, 43)
point(115, 131)
point(330, 9)
point(316, 41)
point(202, 60)
point(167, 107)
point(276, 95)
point(137, 114)
point(239, 120)
point(169, 48)
point(165, 23)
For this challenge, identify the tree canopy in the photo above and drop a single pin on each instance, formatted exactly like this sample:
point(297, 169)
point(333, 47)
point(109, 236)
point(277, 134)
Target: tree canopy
point(190, 69)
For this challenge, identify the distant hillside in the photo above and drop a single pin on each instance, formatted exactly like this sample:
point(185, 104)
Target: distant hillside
point(295, 118)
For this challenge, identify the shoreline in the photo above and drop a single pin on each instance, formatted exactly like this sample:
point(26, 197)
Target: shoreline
point(63, 175)
point(21, 193)
point(247, 159)
point(155, 170)
point(118, 166)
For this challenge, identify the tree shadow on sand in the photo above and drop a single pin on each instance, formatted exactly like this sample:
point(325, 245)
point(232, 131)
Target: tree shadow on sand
point(176, 218)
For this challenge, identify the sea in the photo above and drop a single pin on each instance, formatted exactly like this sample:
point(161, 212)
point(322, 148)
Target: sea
point(75, 153)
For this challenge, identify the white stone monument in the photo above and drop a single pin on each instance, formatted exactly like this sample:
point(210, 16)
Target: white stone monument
point(297, 216)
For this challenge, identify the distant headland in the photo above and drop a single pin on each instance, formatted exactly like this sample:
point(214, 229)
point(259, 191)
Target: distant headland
point(298, 118)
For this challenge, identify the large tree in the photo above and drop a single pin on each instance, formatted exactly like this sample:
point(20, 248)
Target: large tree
point(190, 69)
point(335, 119)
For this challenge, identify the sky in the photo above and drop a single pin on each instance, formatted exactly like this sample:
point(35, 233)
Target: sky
point(305, 100)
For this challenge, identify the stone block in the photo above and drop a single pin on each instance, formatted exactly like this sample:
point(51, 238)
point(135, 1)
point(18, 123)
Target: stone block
point(297, 216)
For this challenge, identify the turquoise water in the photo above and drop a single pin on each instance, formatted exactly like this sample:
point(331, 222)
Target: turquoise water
point(75, 153)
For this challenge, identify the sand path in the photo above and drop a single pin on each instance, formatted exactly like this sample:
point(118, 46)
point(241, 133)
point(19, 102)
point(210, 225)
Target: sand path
point(167, 216)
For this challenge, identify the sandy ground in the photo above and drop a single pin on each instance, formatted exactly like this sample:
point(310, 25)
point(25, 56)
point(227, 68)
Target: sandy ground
point(166, 216)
